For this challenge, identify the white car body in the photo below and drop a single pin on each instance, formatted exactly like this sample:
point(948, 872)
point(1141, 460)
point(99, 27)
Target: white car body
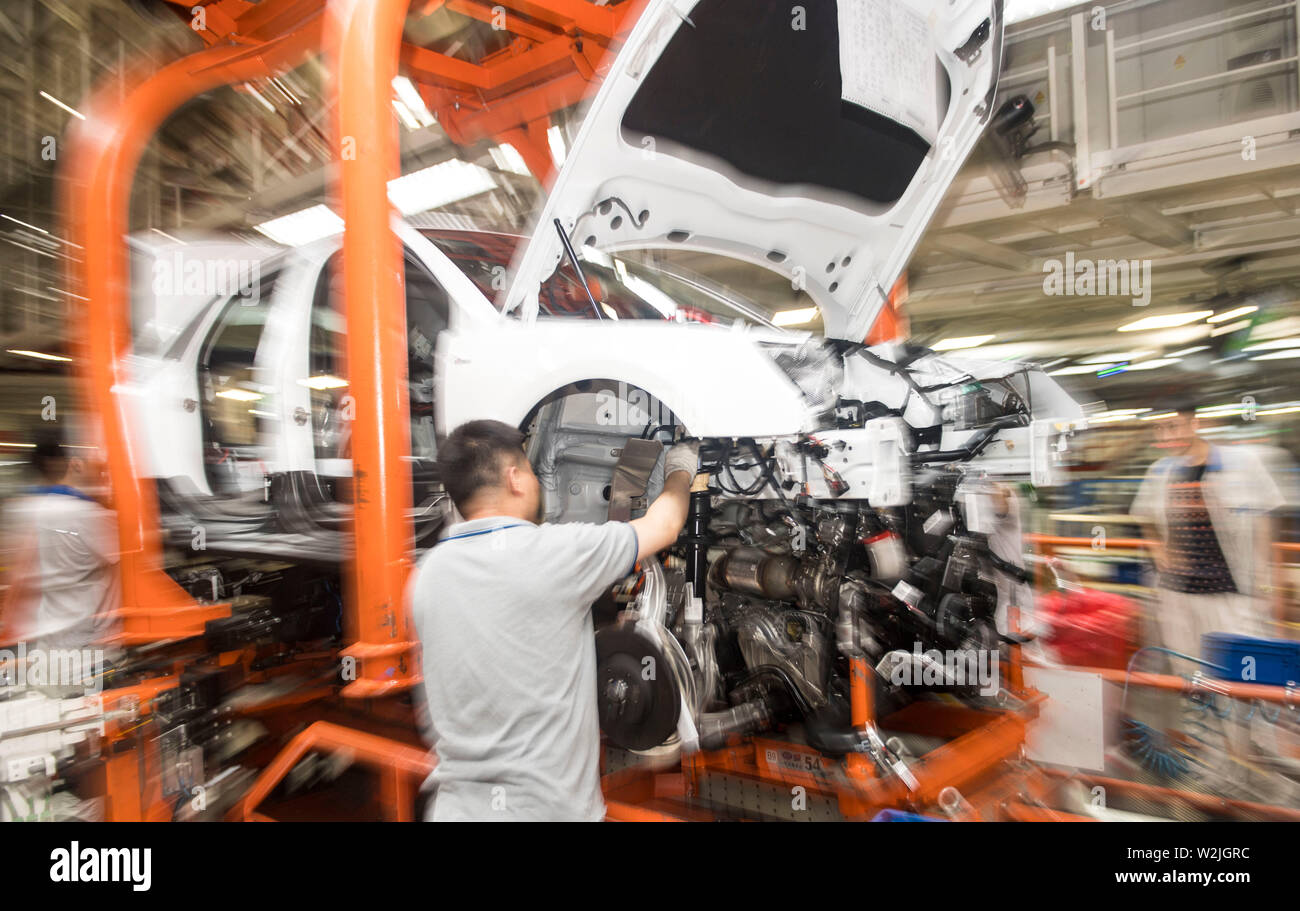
point(717, 382)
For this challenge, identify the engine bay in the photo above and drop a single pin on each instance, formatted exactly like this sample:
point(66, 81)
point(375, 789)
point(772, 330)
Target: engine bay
point(876, 540)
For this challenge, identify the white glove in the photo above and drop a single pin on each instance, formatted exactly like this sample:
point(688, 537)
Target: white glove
point(682, 457)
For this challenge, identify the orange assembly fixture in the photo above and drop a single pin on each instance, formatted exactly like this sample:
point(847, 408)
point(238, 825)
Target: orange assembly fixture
point(363, 38)
point(104, 152)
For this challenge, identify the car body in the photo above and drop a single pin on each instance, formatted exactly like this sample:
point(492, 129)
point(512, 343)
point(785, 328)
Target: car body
point(841, 241)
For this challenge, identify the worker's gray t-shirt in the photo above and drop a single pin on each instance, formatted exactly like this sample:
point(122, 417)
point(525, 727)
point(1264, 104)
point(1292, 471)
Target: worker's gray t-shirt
point(503, 611)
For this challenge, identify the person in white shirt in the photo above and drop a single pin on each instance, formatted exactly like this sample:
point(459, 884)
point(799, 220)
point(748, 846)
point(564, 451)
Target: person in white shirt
point(1208, 512)
point(64, 586)
point(502, 606)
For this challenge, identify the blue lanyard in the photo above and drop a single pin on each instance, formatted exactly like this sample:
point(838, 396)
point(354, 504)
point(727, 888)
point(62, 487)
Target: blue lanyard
point(64, 490)
point(486, 531)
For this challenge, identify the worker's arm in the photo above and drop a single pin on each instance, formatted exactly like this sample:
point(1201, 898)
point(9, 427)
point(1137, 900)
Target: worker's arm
point(666, 517)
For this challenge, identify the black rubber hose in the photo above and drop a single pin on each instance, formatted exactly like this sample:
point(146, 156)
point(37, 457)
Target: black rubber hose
point(974, 446)
point(771, 670)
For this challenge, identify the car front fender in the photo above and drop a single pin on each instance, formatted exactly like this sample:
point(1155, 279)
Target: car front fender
point(717, 382)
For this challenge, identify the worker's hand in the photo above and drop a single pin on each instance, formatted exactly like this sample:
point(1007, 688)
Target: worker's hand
point(682, 457)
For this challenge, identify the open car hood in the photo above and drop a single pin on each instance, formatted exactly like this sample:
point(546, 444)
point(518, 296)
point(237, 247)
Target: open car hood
point(814, 140)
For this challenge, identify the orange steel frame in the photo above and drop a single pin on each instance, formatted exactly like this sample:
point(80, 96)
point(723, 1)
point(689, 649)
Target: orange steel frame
point(552, 63)
point(509, 96)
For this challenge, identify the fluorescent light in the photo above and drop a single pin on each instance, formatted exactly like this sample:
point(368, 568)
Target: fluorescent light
point(303, 226)
point(959, 342)
point(411, 100)
point(239, 395)
point(1277, 355)
point(1166, 321)
point(1079, 369)
point(1290, 409)
point(795, 317)
point(18, 445)
point(1116, 414)
point(1192, 350)
point(404, 114)
point(323, 381)
point(555, 139)
point(1231, 314)
point(1289, 342)
point(1155, 364)
point(73, 111)
point(258, 95)
point(444, 183)
point(40, 355)
point(1230, 328)
point(1115, 357)
point(1161, 416)
point(283, 88)
point(23, 223)
point(507, 158)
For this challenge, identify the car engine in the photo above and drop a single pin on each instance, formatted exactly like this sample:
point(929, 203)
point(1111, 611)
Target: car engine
point(866, 541)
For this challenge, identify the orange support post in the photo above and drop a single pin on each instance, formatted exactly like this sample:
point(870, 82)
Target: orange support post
point(104, 151)
point(363, 39)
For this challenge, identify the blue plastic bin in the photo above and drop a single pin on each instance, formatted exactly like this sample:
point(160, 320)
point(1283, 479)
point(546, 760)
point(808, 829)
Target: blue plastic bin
point(1276, 661)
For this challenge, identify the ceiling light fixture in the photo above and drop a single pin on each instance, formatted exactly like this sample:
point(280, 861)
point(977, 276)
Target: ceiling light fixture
point(795, 317)
point(958, 342)
point(1231, 314)
point(1165, 321)
point(40, 355)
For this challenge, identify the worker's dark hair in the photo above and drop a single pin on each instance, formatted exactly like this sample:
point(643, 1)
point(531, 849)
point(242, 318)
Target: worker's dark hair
point(475, 455)
point(1178, 402)
point(49, 458)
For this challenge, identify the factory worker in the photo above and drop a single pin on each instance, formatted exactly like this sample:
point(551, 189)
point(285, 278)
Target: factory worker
point(64, 589)
point(1208, 512)
point(502, 606)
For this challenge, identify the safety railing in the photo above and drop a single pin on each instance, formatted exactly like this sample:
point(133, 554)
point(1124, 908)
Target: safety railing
point(1282, 599)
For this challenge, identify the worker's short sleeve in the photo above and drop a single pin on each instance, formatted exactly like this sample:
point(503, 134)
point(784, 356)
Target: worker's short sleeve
point(1252, 487)
point(599, 555)
point(99, 534)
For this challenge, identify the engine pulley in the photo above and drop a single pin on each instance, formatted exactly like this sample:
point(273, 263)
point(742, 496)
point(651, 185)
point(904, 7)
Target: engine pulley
point(636, 691)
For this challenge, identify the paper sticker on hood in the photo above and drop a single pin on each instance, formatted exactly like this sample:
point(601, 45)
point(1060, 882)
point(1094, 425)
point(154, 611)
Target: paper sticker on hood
point(886, 64)
point(814, 140)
